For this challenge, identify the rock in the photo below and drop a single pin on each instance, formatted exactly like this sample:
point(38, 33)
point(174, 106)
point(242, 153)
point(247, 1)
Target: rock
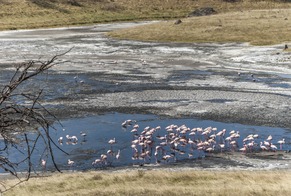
point(74, 3)
point(202, 12)
point(178, 22)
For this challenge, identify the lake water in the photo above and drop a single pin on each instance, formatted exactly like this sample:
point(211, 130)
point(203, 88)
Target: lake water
point(101, 128)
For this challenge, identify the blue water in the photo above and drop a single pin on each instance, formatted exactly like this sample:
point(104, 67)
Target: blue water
point(101, 128)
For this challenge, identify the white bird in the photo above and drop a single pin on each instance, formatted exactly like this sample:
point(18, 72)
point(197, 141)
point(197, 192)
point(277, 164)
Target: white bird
point(43, 164)
point(281, 142)
point(273, 147)
point(68, 137)
point(118, 154)
point(60, 140)
point(76, 78)
point(83, 134)
point(97, 161)
point(74, 138)
point(263, 147)
point(112, 141)
point(110, 152)
point(70, 162)
point(124, 124)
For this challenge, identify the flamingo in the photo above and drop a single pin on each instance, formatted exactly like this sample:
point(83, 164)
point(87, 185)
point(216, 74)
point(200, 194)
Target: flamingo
point(71, 163)
point(60, 140)
point(269, 138)
point(117, 155)
point(124, 124)
point(43, 164)
point(256, 135)
point(281, 142)
point(210, 149)
point(103, 158)
point(112, 141)
point(76, 78)
point(74, 139)
point(233, 144)
point(83, 134)
point(243, 149)
point(222, 146)
point(110, 152)
point(273, 147)
point(267, 143)
point(97, 161)
point(167, 157)
point(68, 137)
point(263, 147)
point(129, 122)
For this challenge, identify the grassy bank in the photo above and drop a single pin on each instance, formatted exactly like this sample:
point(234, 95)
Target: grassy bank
point(258, 27)
point(141, 182)
point(21, 14)
point(237, 21)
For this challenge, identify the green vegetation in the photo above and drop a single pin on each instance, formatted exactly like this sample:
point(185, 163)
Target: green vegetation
point(159, 182)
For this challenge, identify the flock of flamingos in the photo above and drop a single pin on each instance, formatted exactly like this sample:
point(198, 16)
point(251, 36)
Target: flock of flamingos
point(153, 145)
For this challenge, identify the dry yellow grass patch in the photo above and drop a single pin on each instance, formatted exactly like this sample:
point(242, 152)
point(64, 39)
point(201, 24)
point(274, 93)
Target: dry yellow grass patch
point(259, 27)
point(20, 14)
point(159, 183)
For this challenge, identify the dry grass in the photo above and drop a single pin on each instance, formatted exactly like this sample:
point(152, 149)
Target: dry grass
point(236, 22)
point(20, 14)
point(259, 27)
point(159, 183)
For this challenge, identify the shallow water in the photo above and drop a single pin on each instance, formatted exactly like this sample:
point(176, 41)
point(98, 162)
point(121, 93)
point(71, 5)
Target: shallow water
point(100, 129)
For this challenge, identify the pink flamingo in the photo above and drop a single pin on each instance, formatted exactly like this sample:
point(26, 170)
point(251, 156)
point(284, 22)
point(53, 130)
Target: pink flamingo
point(263, 147)
point(70, 163)
point(281, 142)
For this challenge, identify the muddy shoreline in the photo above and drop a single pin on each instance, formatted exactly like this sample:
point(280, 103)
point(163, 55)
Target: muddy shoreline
point(223, 82)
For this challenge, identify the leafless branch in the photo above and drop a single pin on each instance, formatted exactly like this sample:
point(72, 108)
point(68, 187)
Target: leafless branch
point(21, 112)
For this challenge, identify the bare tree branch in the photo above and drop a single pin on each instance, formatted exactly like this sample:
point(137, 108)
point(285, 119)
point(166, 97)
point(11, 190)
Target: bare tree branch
point(21, 112)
